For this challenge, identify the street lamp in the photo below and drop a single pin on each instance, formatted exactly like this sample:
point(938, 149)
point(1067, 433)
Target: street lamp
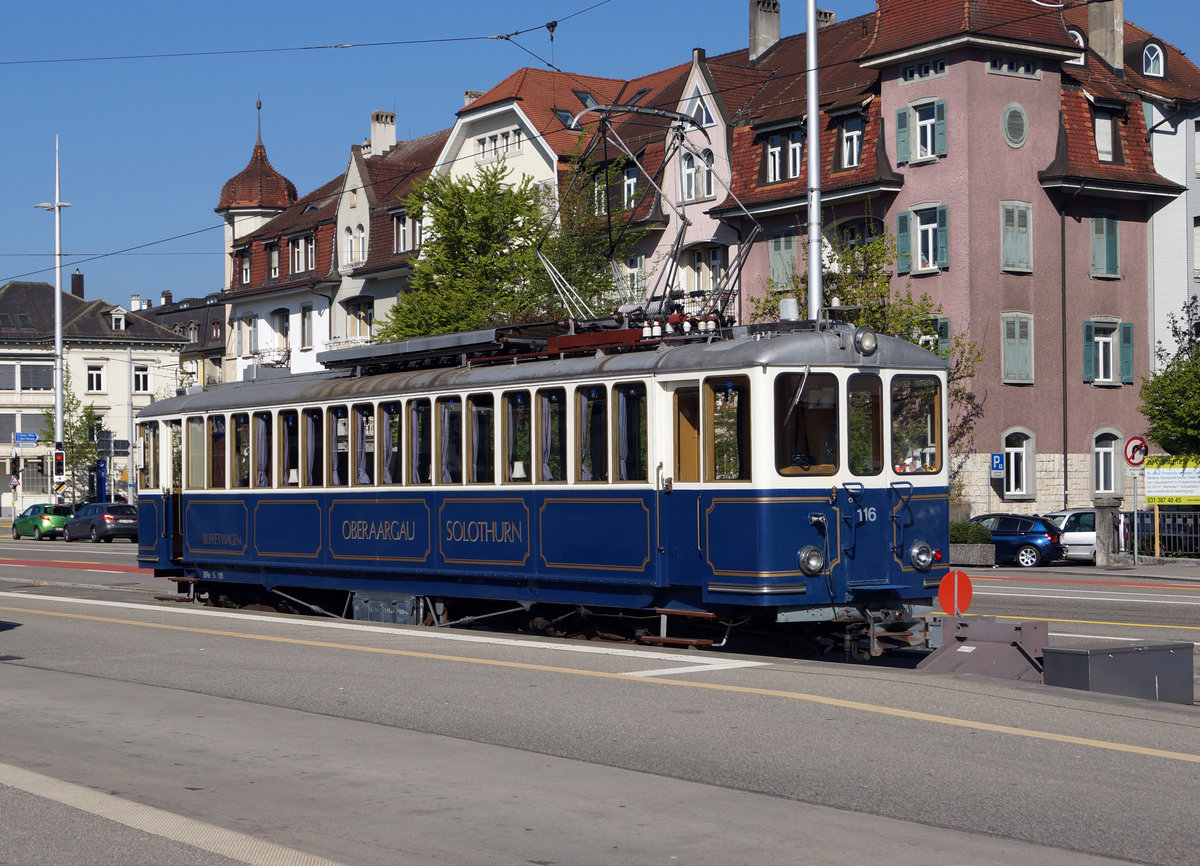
point(57, 205)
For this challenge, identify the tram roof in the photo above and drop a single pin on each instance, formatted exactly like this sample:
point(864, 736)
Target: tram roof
point(372, 371)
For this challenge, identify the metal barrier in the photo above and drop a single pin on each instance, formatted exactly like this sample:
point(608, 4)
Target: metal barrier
point(1160, 532)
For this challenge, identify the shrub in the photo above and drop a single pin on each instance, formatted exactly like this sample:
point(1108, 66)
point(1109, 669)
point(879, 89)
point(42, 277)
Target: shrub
point(965, 532)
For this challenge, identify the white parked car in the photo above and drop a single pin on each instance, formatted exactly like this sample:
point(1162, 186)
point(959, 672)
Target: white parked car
point(1078, 527)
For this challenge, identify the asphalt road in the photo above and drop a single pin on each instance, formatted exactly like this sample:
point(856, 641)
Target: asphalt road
point(158, 733)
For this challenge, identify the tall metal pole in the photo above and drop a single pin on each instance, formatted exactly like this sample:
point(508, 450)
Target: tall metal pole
point(816, 291)
point(57, 205)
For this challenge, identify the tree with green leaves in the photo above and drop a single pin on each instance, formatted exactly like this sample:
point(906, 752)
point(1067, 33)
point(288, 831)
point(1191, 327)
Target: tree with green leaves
point(1171, 395)
point(858, 271)
point(81, 424)
point(478, 266)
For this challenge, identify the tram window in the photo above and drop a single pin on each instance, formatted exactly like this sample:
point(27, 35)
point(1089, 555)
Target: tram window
point(195, 453)
point(727, 428)
point(175, 451)
point(240, 458)
point(289, 449)
point(629, 432)
point(806, 424)
point(364, 444)
point(391, 464)
point(449, 440)
point(217, 454)
point(148, 468)
point(518, 437)
point(687, 434)
point(864, 434)
point(314, 448)
point(339, 446)
point(420, 441)
point(262, 449)
point(481, 438)
point(916, 424)
point(552, 435)
point(591, 428)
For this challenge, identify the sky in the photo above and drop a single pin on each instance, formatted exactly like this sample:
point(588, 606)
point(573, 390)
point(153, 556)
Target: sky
point(146, 142)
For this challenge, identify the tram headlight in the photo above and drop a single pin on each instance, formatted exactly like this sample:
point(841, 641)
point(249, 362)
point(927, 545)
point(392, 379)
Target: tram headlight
point(920, 555)
point(811, 559)
point(865, 340)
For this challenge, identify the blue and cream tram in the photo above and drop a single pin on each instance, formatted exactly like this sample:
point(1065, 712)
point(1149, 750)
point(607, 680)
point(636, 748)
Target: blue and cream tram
point(788, 474)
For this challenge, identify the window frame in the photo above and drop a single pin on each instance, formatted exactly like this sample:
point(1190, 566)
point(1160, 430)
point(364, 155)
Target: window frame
point(908, 133)
point(1020, 243)
point(1104, 458)
point(850, 139)
point(1151, 53)
point(1027, 450)
point(1109, 249)
point(909, 243)
point(1012, 366)
point(96, 376)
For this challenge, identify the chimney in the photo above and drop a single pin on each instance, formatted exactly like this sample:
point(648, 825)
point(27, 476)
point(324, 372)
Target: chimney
point(165, 298)
point(77, 284)
point(383, 131)
point(825, 17)
point(470, 96)
point(764, 27)
point(135, 302)
point(1106, 32)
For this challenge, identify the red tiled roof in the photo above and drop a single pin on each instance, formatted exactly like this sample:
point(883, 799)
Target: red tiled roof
point(902, 24)
point(258, 185)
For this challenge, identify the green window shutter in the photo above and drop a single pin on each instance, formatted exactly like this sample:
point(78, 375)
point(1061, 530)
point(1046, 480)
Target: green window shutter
point(903, 245)
point(1008, 236)
point(902, 135)
point(1089, 352)
point(1097, 244)
point(943, 238)
point(1127, 353)
point(1023, 245)
point(1110, 245)
point(939, 127)
point(943, 335)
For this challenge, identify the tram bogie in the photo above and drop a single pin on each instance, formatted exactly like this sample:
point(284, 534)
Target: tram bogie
point(784, 476)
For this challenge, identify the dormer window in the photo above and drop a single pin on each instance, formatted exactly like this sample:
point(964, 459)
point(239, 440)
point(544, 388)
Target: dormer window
point(586, 98)
point(1077, 38)
point(1108, 140)
point(851, 136)
point(567, 119)
point(193, 332)
point(118, 319)
point(245, 265)
point(697, 109)
point(1153, 61)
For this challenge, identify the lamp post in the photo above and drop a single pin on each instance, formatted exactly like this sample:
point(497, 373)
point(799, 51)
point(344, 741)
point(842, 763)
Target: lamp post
point(57, 205)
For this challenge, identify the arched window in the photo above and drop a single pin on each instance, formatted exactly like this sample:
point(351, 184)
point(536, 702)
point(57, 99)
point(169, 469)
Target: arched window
point(1152, 60)
point(1105, 480)
point(687, 164)
point(1077, 38)
point(361, 242)
point(193, 332)
point(1020, 469)
point(349, 245)
point(707, 183)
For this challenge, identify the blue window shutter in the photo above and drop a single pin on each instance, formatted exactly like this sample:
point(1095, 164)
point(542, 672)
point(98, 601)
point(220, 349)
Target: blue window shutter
point(943, 238)
point(1127, 353)
point(939, 127)
point(903, 245)
point(1089, 352)
point(943, 335)
point(902, 135)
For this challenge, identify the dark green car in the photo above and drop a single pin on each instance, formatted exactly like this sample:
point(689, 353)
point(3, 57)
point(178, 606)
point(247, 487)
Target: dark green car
point(41, 521)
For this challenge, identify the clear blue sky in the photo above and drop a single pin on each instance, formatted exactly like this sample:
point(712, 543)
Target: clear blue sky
point(146, 144)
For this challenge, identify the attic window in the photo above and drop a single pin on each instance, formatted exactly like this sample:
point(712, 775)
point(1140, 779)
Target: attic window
point(637, 97)
point(698, 110)
point(24, 320)
point(6, 320)
point(118, 321)
point(1152, 61)
point(1077, 38)
point(586, 98)
point(567, 118)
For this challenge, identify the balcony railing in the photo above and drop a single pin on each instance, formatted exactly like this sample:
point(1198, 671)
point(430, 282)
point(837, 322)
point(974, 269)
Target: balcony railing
point(346, 342)
point(273, 357)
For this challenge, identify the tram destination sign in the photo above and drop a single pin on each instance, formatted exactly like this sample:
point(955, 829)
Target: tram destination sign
point(1172, 480)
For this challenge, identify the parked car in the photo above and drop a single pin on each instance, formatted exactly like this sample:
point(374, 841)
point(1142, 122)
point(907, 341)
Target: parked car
point(1025, 540)
point(102, 521)
point(41, 521)
point(89, 500)
point(1078, 528)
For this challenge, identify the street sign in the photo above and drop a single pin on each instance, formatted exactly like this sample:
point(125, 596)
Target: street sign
point(954, 592)
point(25, 440)
point(1135, 450)
point(997, 464)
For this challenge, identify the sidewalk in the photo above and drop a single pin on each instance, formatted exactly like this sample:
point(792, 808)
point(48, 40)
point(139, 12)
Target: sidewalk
point(1148, 568)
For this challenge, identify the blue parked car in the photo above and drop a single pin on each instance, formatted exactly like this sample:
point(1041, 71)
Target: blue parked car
point(1025, 540)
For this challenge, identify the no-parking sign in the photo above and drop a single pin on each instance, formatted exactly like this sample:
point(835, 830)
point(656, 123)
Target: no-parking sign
point(1135, 450)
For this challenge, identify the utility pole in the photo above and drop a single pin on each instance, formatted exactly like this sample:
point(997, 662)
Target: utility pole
point(57, 205)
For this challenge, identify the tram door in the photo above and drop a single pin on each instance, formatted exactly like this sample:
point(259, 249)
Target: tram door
point(679, 489)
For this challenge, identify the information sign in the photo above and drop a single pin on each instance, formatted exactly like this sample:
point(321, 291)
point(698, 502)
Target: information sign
point(1172, 480)
point(997, 464)
point(25, 440)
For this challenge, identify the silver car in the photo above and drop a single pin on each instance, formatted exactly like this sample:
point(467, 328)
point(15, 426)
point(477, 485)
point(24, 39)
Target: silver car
point(1078, 528)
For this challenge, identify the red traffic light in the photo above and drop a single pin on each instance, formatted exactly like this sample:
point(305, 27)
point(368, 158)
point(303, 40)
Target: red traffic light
point(60, 464)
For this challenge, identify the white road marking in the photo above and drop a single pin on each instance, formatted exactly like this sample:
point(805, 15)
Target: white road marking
point(1163, 599)
point(159, 822)
point(696, 662)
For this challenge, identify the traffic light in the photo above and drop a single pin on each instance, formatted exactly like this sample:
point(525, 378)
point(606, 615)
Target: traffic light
point(16, 465)
point(60, 465)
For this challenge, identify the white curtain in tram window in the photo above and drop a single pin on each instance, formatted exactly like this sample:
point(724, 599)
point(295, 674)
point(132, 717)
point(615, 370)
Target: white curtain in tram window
point(547, 475)
point(389, 445)
point(474, 442)
point(310, 447)
point(415, 427)
point(335, 477)
point(622, 442)
point(287, 443)
point(585, 463)
point(262, 447)
point(445, 424)
point(360, 448)
point(510, 437)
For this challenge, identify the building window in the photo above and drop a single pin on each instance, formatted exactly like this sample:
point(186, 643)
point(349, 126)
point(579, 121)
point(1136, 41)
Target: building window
point(774, 158)
point(193, 332)
point(629, 188)
point(1016, 330)
point(600, 193)
point(252, 330)
point(1104, 464)
point(244, 259)
point(141, 379)
point(215, 331)
point(1108, 142)
point(1152, 61)
point(1077, 38)
point(273, 261)
point(704, 270)
point(349, 250)
point(635, 276)
point(1020, 476)
point(707, 188)
point(281, 321)
point(923, 69)
point(95, 378)
point(697, 109)
point(360, 313)
point(851, 140)
point(687, 164)
point(1106, 259)
point(1108, 353)
point(795, 153)
point(922, 239)
point(928, 119)
point(303, 254)
point(237, 336)
point(306, 334)
point(783, 259)
point(1016, 125)
point(1016, 248)
point(1024, 67)
point(400, 233)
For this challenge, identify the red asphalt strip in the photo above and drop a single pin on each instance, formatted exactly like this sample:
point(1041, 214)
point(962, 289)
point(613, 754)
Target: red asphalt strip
point(82, 566)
